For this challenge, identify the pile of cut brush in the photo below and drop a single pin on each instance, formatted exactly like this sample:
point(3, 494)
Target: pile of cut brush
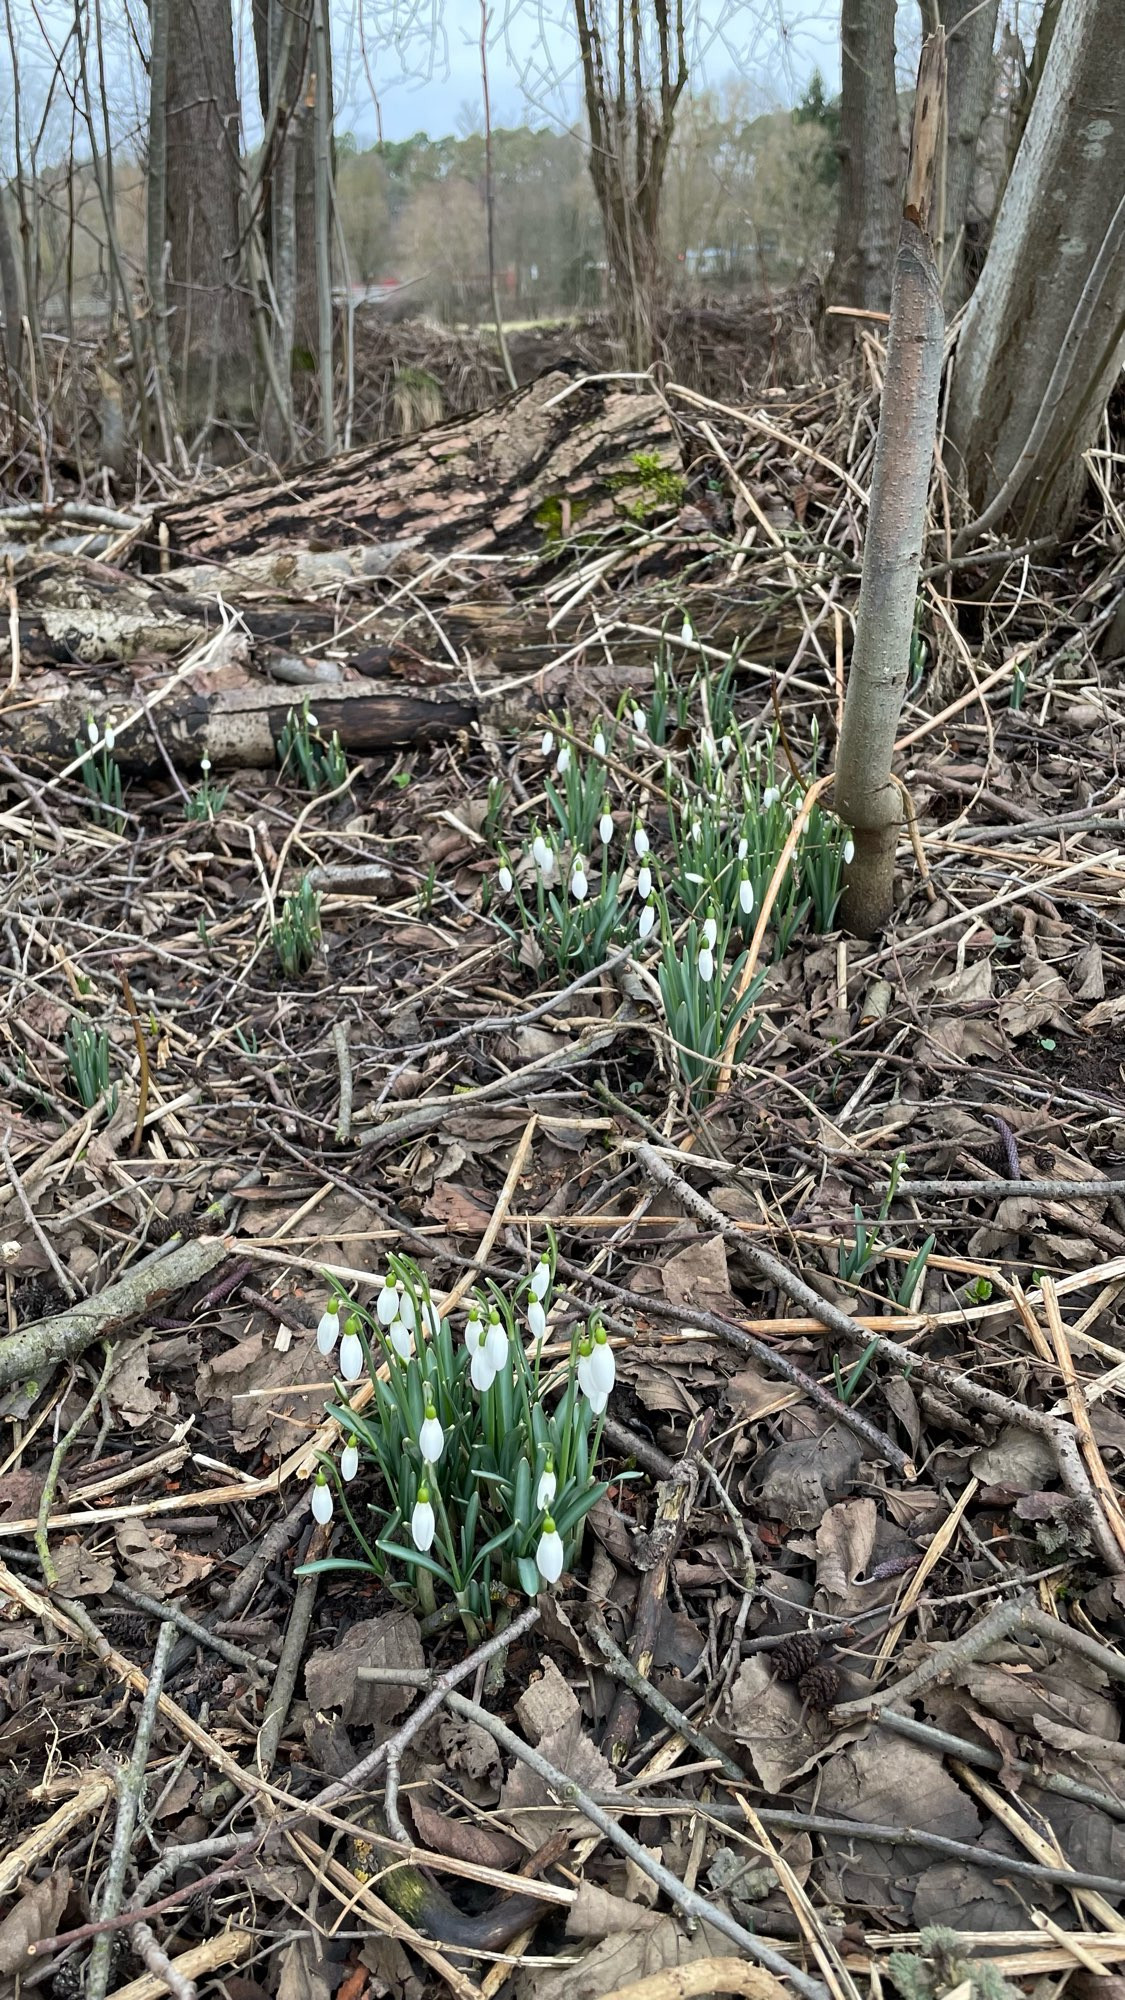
point(563, 1418)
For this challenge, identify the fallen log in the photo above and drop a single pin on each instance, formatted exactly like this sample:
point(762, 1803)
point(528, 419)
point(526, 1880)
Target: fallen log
point(554, 459)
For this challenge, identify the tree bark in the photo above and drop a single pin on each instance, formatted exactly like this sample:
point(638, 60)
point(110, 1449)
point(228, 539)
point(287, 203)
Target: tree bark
point(870, 157)
point(970, 27)
point(1044, 333)
point(867, 797)
point(210, 337)
point(10, 295)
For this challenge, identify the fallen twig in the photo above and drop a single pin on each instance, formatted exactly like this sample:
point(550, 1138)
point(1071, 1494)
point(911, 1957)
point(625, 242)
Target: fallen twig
point(31, 1353)
point(130, 1790)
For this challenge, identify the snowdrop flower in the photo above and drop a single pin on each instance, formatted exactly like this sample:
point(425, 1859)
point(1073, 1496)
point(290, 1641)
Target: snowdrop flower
point(696, 831)
point(727, 745)
point(431, 1437)
point(496, 1343)
point(562, 761)
point(431, 1318)
point(321, 1500)
point(398, 1333)
point(549, 1554)
point(586, 1380)
point(548, 1487)
point(205, 765)
point(644, 881)
point(349, 1460)
point(605, 828)
point(311, 719)
point(641, 841)
point(474, 1331)
point(687, 631)
point(548, 742)
point(351, 1353)
point(710, 932)
point(648, 919)
point(602, 1370)
point(579, 881)
point(504, 878)
point(640, 722)
point(849, 853)
point(328, 1327)
point(599, 743)
point(422, 1523)
point(540, 1278)
point(705, 964)
point(386, 1305)
point(406, 1311)
point(537, 1319)
point(92, 730)
point(481, 1372)
point(543, 855)
point(743, 848)
point(746, 895)
point(110, 737)
point(770, 797)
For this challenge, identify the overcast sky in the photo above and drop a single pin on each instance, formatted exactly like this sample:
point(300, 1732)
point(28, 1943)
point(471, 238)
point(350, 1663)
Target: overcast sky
point(422, 58)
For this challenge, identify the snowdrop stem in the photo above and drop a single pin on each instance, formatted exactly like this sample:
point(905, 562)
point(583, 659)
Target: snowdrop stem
point(445, 1537)
point(424, 1585)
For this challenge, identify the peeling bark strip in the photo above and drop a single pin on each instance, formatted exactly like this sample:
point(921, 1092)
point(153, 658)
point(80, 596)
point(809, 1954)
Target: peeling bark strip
point(474, 484)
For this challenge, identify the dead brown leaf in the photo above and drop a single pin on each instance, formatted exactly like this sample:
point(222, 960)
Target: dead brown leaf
point(551, 1720)
point(303, 1975)
point(80, 1572)
point(35, 1916)
point(844, 1541)
point(619, 1960)
point(478, 1841)
point(697, 1276)
point(596, 1913)
point(155, 1562)
point(764, 1716)
point(330, 1676)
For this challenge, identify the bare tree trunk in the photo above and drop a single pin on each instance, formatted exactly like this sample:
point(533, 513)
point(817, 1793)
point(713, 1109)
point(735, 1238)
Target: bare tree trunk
point(867, 798)
point(1044, 333)
point(489, 201)
point(156, 192)
point(970, 28)
point(207, 292)
point(870, 157)
point(323, 215)
point(10, 294)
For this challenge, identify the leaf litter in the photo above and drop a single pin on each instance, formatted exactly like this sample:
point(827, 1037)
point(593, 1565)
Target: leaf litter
point(977, 1041)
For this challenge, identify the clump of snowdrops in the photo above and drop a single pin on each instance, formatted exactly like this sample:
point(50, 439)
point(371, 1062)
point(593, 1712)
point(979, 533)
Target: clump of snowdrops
point(480, 1448)
point(661, 835)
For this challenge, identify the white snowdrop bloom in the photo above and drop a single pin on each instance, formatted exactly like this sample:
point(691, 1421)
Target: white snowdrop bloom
point(328, 1328)
point(431, 1318)
point(695, 880)
point(422, 1523)
point(710, 932)
point(536, 1319)
point(586, 1380)
point(599, 744)
point(481, 1372)
point(386, 1305)
point(311, 719)
point(641, 842)
point(644, 881)
point(579, 881)
point(351, 1358)
point(548, 742)
point(549, 1554)
point(496, 1345)
point(110, 734)
point(406, 1311)
point(504, 878)
point(349, 1460)
point(205, 765)
point(727, 745)
point(548, 1487)
point(849, 853)
point(696, 831)
point(401, 1339)
point(746, 895)
point(705, 964)
point(603, 1367)
point(322, 1500)
point(92, 730)
point(431, 1437)
point(687, 631)
point(605, 829)
point(474, 1331)
point(640, 722)
point(562, 761)
point(540, 1279)
point(743, 848)
point(597, 1401)
point(648, 919)
point(770, 797)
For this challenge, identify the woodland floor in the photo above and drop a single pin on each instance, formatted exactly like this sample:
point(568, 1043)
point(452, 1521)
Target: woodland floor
point(422, 1089)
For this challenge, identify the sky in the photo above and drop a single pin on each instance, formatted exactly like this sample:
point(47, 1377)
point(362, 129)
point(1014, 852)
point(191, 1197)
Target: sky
point(422, 59)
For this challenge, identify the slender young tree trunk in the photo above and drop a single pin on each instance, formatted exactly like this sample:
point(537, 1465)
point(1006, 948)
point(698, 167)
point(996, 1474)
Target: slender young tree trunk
point(207, 292)
point(10, 294)
point(1044, 333)
point(489, 201)
point(156, 192)
point(867, 797)
point(970, 28)
point(870, 149)
point(323, 213)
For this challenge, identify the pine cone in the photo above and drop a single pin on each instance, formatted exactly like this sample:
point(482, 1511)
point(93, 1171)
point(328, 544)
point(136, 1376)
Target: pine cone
point(819, 1687)
point(795, 1655)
